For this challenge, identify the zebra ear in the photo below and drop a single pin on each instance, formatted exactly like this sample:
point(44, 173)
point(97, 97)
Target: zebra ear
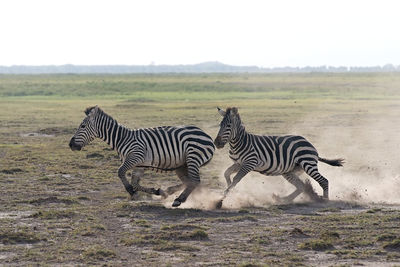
point(221, 112)
point(91, 110)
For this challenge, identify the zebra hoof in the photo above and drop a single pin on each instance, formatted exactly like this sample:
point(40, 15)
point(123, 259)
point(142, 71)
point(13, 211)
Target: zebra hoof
point(219, 204)
point(130, 190)
point(176, 203)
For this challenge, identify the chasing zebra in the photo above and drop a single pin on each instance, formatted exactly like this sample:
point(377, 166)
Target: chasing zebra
point(269, 155)
point(183, 149)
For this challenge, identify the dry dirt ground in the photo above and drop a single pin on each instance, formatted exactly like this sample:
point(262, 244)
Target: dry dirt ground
point(60, 218)
point(104, 228)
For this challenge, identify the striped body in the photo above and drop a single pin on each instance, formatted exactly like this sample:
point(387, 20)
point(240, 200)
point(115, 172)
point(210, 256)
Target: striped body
point(181, 148)
point(269, 155)
point(275, 155)
point(165, 148)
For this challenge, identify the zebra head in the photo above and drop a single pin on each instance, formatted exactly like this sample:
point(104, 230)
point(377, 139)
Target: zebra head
point(86, 131)
point(228, 125)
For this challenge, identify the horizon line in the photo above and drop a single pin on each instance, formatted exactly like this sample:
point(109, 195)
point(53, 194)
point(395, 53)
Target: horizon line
point(200, 63)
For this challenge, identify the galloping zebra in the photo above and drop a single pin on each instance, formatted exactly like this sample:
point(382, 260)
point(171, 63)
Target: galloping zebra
point(183, 149)
point(269, 155)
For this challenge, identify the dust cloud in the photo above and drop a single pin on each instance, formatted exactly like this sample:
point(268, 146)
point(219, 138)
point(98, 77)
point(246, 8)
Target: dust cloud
point(369, 141)
point(254, 190)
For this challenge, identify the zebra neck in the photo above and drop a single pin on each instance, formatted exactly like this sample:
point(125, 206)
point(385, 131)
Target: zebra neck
point(239, 138)
point(112, 132)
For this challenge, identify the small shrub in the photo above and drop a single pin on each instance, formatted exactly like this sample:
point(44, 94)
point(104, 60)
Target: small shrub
point(53, 214)
point(331, 209)
point(181, 227)
point(394, 245)
point(197, 235)
point(99, 253)
point(297, 232)
point(317, 244)
point(249, 264)
point(166, 246)
point(244, 211)
point(261, 240)
point(386, 237)
point(142, 223)
point(127, 241)
point(19, 237)
point(373, 210)
point(330, 235)
point(11, 171)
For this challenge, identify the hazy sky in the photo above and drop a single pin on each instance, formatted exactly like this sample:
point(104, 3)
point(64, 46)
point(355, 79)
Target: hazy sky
point(262, 33)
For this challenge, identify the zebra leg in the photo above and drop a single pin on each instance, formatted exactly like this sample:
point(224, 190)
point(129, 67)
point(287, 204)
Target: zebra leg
point(135, 179)
point(121, 174)
point(232, 169)
point(311, 169)
point(130, 162)
point(243, 170)
point(182, 175)
point(136, 174)
point(297, 182)
point(193, 179)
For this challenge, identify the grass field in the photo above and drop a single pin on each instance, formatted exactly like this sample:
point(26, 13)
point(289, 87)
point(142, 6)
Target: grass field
point(70, 208)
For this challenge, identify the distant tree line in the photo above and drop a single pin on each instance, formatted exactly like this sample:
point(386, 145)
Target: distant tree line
point(206, 67)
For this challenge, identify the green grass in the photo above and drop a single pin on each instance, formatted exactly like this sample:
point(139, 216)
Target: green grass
point(151, 88)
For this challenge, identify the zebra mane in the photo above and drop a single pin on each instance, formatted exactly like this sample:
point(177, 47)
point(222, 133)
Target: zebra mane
point(100, 112)
point(233, 111)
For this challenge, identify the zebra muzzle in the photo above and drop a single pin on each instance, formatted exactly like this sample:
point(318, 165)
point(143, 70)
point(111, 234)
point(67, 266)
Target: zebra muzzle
point(73, 145)
point(218, 142)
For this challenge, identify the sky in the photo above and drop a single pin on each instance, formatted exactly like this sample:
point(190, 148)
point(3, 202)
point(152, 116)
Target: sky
point(262, 33)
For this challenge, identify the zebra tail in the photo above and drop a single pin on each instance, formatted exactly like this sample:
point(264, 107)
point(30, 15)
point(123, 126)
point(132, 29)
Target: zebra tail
point(333, 162)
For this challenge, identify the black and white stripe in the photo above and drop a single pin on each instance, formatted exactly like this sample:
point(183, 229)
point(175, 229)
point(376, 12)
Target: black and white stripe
point(183, 149)
point(270, 155)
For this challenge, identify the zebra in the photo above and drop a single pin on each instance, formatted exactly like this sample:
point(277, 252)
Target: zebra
point(288, 155)
point(183, 149)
